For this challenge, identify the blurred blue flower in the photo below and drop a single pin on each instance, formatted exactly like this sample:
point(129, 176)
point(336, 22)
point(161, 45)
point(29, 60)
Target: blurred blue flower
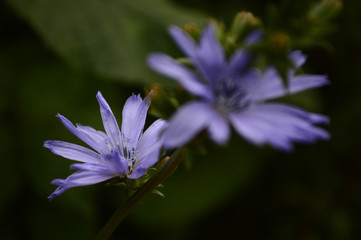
point(125, 153)
point(229, 92)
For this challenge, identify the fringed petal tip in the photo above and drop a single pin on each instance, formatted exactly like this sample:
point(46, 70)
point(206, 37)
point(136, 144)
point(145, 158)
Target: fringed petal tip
point(138, 97)
point(279, 125)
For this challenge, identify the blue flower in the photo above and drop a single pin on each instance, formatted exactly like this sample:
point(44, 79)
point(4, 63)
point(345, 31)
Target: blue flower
point(126, 153)
point(229, 92)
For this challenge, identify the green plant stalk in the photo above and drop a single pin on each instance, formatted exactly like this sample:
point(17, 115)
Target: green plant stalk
point(138, 196)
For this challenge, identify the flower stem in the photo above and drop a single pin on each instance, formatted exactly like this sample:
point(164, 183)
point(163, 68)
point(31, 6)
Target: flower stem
point(133, 200)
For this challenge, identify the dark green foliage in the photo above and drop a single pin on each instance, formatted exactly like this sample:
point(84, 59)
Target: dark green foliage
point(55, 55)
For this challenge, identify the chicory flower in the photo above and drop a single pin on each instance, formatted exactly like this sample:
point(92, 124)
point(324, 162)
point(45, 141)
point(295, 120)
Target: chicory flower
point(230, 93)
point(125, 152)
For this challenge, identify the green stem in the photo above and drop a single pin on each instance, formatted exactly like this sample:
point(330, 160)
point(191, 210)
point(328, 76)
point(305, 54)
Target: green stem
point(133, 200)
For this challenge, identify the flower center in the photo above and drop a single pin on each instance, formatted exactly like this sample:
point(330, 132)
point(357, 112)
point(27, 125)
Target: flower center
point(128, 151)
point(230, 96)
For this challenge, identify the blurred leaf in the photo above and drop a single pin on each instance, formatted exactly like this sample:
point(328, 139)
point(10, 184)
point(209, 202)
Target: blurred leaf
point(110, 38)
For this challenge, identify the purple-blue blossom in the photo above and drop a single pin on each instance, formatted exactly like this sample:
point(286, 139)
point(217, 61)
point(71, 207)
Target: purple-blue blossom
point(230, 93)
point(125, 152)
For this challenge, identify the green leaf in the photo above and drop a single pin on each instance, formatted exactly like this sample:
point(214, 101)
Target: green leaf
point(108, 38)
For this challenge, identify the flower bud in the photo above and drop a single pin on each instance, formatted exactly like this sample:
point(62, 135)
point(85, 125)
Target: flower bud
point(325, 10)
point(243, 23)
point(192, 29)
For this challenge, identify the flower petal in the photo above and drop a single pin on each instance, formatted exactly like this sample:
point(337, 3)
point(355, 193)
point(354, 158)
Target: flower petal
point(134, 115)
point(297, 58)
point(183, 40)
point(187, 122)
point(238, 62)
point(298, 112)
point(86, 137)
point(278, 125)
point(109, 121)
point(219, 129)
point(72, 151)
point(300, 83)
point(80, 178)
point(266, 86)
point(254, 37)
point(137, 173)
point(142, 166)
point(151, 139)
point(114, 161)
point(58, 191)
point(102, 140)
point(270, 84)
point(210, 58)
point(167, 66)
point(91, 167)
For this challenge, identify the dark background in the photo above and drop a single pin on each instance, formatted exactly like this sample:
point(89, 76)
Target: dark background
point(55, 56)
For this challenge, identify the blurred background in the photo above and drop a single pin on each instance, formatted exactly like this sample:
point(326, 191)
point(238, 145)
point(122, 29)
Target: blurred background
point(55, 56)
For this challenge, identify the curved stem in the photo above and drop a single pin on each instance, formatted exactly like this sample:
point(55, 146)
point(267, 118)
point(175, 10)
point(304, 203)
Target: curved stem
point(133, 200)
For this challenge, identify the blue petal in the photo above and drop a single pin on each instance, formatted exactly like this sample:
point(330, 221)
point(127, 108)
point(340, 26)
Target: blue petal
point(80, 178)
point(86, 137)
point(266, 86)
point(210, 58)
point(142, 165)
point(102, 140)
point(238, 62)
point(169, 67)
point(269, 85)
point(91, 167)
point(137, 173)
point(134, 115)
point(313, 118)
point(148, 147)
point(109, 121)
point(219, 129)
point(187, 122)
point(303, 82)
point(277, 124)
point(72, 151)
point(58, 191)
point(297, 58)
point(254, 37)
point(151, 140)
point(115, 162)
point(183, 40)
